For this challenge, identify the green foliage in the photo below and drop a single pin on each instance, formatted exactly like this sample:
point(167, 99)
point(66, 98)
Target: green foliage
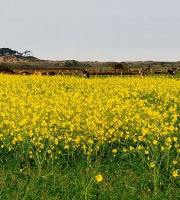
point(73, 177)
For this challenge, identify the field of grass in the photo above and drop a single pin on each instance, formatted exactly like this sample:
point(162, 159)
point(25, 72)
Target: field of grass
point(104, 138)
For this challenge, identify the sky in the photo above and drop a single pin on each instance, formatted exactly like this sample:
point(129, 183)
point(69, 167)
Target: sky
point(92, 30)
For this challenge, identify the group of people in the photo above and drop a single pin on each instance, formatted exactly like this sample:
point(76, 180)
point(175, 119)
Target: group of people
point(86, 74)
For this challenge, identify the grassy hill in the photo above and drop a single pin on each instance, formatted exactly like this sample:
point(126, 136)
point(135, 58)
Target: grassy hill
point(32, 63)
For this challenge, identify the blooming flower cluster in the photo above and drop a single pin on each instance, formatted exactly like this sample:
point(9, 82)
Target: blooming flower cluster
point(51, 115)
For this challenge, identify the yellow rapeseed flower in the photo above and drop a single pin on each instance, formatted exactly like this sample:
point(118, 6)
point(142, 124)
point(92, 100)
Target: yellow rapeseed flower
point(152, 165)
point(43, 114)
point(174, 162)
point(114, 150)
point(131, 148)
point(146, 152)
point(155, 142)
point(162, 148)
point(175, 173)
point(66, 146)
point(99, 178)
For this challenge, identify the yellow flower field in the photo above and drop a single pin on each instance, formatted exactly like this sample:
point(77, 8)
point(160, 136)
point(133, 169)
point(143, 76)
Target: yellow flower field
point(44, 117)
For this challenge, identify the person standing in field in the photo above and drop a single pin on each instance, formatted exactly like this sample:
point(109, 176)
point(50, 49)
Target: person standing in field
point(85, 73)
point(141, 72)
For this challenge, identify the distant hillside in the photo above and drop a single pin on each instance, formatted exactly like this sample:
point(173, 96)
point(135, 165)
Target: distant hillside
point(13, 60)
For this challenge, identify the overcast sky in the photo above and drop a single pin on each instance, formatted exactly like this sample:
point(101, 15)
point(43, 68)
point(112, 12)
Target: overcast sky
point(92, 30)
